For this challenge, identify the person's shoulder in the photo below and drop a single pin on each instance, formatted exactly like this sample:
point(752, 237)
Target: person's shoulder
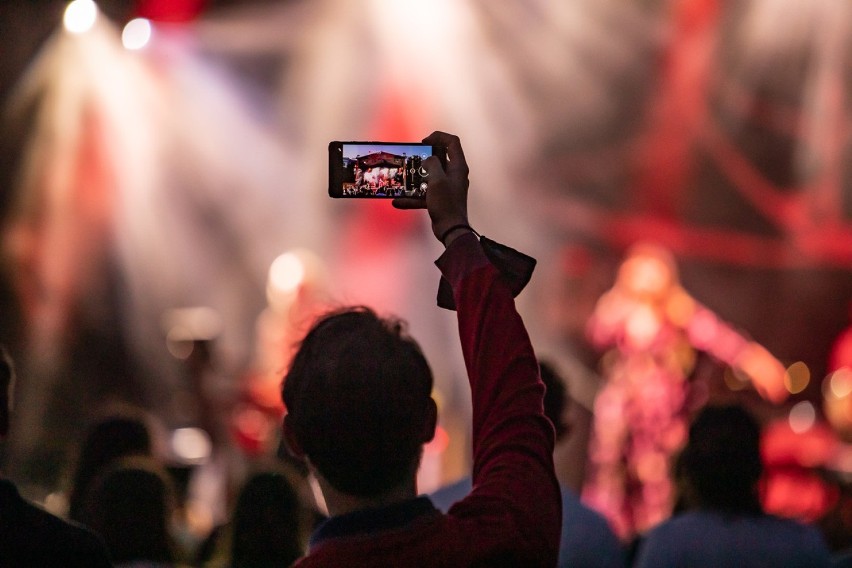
point(572, 504)
point(587, 536)
point(577, 514)
point(784, 523)
point(803, 543)
point(793, 529)
point(446, 496)
point(44, 534)
point(688, 520)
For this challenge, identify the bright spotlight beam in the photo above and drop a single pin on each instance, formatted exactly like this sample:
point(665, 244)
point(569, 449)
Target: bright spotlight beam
point(80, 16)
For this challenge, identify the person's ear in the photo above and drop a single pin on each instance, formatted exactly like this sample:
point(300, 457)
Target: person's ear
point(430, 422)
point(290, 440)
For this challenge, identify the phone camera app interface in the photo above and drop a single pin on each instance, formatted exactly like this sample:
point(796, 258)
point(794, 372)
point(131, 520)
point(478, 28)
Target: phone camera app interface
point(384, 170)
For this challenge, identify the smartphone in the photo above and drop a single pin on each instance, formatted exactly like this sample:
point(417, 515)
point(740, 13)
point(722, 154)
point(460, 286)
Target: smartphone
point(379, 169)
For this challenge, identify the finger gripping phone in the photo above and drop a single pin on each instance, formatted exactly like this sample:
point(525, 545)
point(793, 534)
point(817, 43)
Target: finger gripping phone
point(375, 170)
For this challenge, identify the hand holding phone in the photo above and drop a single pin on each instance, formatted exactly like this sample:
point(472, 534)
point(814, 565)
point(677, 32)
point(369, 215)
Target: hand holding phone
point(379, 169)
point(448, 185)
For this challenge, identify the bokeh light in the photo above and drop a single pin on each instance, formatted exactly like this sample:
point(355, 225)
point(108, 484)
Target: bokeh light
point(837, 401)
point(802, 417)
point(80, 16)
point(840, 383)
point(797, 377)
point(286, 273)
point(136, 34)
point(191, 445)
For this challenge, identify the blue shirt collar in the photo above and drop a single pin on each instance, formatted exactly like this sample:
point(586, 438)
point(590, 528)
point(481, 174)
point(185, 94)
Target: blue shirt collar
point(369, 521)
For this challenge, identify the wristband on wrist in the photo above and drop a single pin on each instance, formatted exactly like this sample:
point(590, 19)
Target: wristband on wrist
point(445, 234)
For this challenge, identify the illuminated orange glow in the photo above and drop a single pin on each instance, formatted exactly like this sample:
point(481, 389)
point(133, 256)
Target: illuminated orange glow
point(837, 401)
point(680, 308)
point(439, 443)
point(765, 371)
point(648, 272)
point(797, 377)
point(652, 467)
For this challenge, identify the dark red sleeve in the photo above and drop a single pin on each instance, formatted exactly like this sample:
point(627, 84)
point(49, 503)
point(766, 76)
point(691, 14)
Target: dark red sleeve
point(514, 483)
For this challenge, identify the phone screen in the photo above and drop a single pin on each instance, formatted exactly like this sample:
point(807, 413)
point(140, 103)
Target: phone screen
point(377, 169)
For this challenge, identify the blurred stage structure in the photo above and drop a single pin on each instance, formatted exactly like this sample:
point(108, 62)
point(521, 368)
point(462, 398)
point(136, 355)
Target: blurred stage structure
point(159, 156)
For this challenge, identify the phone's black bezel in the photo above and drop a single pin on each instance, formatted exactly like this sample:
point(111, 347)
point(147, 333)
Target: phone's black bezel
point(335, 171)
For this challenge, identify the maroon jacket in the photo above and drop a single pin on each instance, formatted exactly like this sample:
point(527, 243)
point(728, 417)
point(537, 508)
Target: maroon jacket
point(512, 516)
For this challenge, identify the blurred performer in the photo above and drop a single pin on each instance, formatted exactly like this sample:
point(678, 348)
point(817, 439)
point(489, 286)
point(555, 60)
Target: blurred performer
point(296, 292)
point(639, 421)
point(652, 328)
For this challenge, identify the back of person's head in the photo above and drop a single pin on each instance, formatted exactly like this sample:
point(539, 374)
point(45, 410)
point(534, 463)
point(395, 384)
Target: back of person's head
point(115, 436)
point(130, 504)
point(268, 522)
point(720, 463)
point(358, 397)
point(7, 377)
point(555, 398)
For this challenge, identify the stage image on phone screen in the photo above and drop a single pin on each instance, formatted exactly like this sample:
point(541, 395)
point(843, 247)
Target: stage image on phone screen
point(377, 169)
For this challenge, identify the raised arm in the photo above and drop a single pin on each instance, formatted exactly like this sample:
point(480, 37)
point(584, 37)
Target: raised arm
point(514, 484)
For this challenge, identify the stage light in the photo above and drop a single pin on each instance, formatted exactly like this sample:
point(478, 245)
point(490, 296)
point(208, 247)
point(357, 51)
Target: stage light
point(191, 445)
point(80, 16)
point(286, 273)
point(136, 34)
point(802, 417)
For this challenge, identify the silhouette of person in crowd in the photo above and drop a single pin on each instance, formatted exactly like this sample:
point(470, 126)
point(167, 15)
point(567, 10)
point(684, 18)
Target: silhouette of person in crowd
point(723, 523)
point(359, 410)
point(131, 505)
point(267, 523)
point(118, 434)
point(587, 539)
point(29, 535)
